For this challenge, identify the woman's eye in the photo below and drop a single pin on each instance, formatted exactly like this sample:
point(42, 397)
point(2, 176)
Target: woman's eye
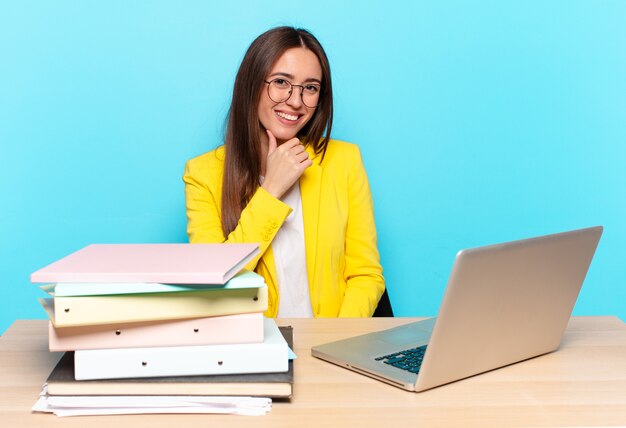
point(311, 89)
point(281, 83)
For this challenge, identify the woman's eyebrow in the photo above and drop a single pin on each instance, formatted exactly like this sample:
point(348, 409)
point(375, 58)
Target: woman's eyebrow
point(291, 77)
point(280, 73)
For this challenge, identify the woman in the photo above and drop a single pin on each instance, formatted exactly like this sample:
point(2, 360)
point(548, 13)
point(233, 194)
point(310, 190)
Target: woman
point(278, 181)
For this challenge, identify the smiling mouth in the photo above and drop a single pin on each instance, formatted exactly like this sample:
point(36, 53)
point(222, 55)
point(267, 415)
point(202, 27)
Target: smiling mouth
point(287, 116)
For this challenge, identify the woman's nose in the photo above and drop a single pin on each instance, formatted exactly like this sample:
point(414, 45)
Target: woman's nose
point(295, 99)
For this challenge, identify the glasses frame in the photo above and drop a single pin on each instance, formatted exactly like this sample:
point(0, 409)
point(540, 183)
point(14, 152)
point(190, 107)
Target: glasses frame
point(291, 85)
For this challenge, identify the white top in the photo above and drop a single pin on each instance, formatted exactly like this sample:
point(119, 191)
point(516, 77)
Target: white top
point(290, 258)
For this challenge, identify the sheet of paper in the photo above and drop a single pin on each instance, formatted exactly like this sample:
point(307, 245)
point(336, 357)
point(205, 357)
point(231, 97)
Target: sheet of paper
point(118, 405)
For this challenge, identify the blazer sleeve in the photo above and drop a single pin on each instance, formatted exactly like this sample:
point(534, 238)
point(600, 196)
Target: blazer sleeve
point(259, 221)
point(363, 271)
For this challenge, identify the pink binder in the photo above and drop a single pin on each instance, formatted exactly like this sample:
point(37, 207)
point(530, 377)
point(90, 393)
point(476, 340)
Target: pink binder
point(228, 329)
point(164, 263)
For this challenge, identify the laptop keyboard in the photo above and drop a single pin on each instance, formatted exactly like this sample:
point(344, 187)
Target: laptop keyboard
point(409, 359)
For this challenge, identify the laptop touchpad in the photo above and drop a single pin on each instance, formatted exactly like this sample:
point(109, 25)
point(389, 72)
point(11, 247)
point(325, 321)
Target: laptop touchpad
point(411, 334)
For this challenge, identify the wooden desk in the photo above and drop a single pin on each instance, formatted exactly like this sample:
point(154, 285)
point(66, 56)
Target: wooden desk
point(584, 383)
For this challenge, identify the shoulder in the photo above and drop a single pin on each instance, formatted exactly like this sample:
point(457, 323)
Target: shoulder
point(339, 151)
point(208, 164)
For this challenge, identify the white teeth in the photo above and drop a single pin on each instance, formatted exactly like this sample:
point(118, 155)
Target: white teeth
point(287, 116)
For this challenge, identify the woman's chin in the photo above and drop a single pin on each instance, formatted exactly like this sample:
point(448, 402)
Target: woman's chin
point(282, 136)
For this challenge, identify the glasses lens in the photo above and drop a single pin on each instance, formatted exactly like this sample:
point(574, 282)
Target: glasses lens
point(311, 95)
point(279, 90)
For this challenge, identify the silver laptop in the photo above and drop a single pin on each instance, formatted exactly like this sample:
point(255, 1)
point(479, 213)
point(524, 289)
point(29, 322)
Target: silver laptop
point(503, 304)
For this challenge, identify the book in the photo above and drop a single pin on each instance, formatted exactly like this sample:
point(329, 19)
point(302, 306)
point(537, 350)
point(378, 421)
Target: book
point(243, 279)
point(240, 328)
point(160, 263)
point(269, 356)
point(116, 309)
point(61, 382)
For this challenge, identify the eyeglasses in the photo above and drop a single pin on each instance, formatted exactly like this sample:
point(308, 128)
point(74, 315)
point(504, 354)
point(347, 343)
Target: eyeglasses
point(279, 91)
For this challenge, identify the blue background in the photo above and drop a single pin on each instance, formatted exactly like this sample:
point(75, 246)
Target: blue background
point(479, 122)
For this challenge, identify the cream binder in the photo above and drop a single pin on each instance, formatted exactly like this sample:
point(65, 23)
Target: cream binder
point(115, 309)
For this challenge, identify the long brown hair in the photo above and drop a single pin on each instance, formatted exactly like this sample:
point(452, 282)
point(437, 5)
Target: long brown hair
point(242, 166)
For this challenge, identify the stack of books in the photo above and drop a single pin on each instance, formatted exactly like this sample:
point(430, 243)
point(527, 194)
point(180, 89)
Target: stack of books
point(163, 319)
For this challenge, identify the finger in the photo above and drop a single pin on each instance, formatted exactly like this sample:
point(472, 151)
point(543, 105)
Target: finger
point(271, 142)
point(301, 155)
point(294, 142)
point(297, 149)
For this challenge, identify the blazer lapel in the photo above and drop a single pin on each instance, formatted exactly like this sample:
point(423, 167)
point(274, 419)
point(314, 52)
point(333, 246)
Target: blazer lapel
point(310, 185)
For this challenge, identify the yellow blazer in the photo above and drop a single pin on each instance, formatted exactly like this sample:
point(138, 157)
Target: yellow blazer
point(343, 263)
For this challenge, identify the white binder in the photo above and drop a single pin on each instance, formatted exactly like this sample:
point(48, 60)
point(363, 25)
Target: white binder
point(269, 356)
